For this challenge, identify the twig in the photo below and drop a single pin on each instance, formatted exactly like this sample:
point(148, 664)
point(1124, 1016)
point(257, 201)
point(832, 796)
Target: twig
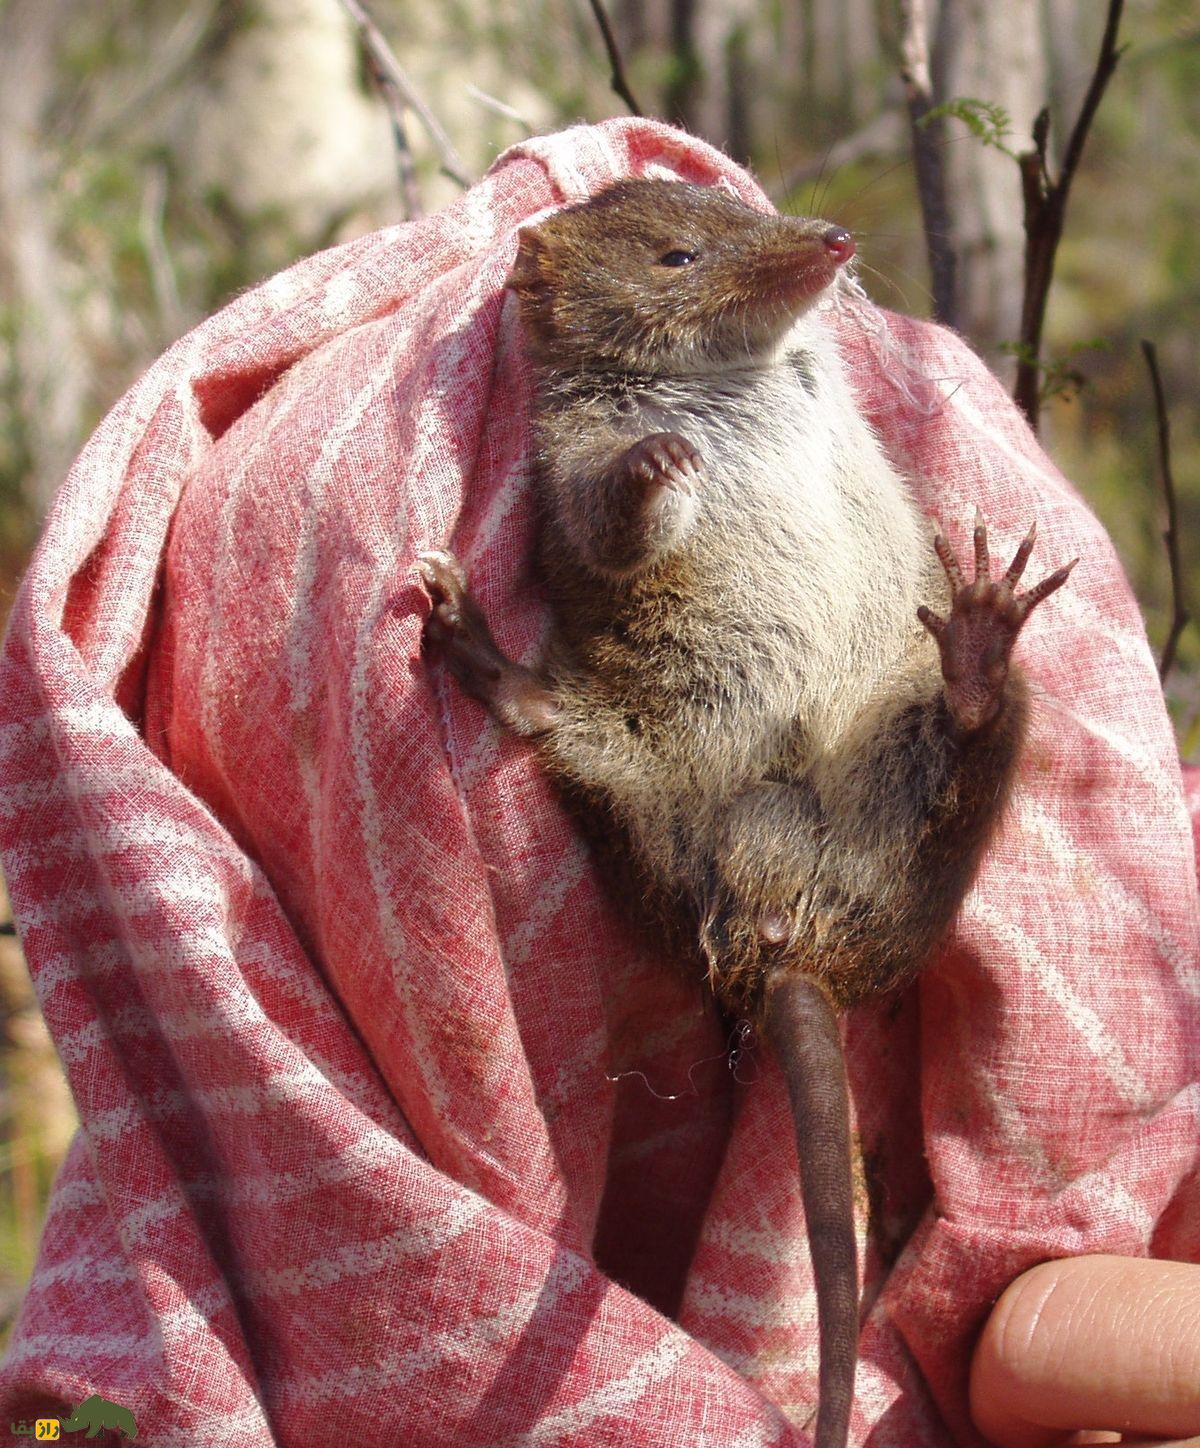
point(1045, 209)
point(158, 257)
point(620, 82)
point(1179, 614)
point(406, 167)
point(499, 107)
point(395, 83)
point(377, 53)
point(928, 141)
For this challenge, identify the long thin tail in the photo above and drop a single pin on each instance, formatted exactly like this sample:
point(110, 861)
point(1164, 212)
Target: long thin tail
point(802, 1027)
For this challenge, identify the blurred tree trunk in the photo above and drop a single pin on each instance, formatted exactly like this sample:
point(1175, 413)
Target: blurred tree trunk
point(290, 78)
point(739, 71)
point(997, 54)
point(1072, 35)
point(51, 371)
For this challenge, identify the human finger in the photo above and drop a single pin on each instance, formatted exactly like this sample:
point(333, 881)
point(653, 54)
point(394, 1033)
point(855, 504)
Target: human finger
point(1091, 1342)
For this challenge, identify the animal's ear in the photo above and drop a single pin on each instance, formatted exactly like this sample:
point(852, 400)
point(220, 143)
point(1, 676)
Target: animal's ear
point(526, 271)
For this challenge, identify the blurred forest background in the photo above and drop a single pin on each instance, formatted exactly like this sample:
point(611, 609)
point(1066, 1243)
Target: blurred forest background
point(159, 156)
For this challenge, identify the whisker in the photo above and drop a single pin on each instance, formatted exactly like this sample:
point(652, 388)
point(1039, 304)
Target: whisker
point(812, 205)
point(894, 286)
point(907, 160)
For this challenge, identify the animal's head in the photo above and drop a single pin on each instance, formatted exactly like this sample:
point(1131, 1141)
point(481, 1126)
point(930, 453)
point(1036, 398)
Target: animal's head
point(668, 278)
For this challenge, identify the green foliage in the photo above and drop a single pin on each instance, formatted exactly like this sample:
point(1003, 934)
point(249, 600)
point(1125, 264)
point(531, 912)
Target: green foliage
point(1060, 375)
point(987, 121)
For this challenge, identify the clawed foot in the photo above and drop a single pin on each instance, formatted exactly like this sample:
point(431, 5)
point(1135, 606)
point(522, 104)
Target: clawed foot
point(666, 460)
point(458, 630)
point(985, 618)
point(454, 611)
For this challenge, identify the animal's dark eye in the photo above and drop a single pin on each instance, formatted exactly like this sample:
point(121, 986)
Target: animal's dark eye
point(677, 258)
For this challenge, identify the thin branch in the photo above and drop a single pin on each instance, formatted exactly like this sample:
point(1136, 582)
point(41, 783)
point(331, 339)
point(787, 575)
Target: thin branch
point(1045, 210)
point(406, 168)
point(620, 81)
point(928, 142)
point(158, 256)
point(499, 108)
point(1179, 614)
point(393, 79)
point(374, 49)
point(1106, 63)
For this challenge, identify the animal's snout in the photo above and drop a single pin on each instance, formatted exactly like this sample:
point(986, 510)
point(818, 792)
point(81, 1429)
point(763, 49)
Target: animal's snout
point(839, 244)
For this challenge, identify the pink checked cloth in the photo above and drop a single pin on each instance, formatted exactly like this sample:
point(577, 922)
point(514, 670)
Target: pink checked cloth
point(342, 1001)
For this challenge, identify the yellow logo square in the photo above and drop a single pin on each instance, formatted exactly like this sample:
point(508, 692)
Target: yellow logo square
point(46, 1430)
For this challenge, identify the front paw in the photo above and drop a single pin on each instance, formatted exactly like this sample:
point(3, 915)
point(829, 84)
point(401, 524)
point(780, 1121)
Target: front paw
point(642, 507)
point(985, 618)
point(665, 460)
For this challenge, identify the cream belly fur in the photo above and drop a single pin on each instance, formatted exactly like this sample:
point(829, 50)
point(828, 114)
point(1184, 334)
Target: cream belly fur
point(778, 657)
point(841, 557)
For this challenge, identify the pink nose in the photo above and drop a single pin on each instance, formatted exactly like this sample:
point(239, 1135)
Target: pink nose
point(839, 244)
